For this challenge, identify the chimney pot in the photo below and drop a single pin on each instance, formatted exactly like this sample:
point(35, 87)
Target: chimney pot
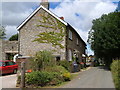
point(62, 18)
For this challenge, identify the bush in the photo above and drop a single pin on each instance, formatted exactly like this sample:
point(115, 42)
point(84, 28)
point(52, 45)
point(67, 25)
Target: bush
point(115, 68)
point(39, 78)
point(50, 76)
point(67, 65)
point(64, 75)
point(41, 60)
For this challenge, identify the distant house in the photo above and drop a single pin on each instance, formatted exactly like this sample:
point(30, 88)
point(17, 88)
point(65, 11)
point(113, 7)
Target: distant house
point(8, 49)
point(29, 29)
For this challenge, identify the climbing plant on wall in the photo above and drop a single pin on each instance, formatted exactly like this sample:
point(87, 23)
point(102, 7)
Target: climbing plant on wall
point(53, 32)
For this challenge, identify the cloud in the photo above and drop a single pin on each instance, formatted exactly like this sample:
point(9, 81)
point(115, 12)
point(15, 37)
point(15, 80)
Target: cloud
point(81, 14)
point(14, 13)
point(10, 30)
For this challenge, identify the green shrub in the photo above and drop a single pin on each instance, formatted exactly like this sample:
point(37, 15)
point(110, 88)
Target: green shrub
point(115, 68)
point(64, 75)
point(50, 76)
point(41, 60)
point(39, 78)
point(66, 64)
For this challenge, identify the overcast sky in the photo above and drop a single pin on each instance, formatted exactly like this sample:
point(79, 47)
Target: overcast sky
point(78, 14)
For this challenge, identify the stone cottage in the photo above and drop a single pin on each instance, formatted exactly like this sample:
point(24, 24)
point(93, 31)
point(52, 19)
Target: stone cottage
point(8, 49)
point(43, 20)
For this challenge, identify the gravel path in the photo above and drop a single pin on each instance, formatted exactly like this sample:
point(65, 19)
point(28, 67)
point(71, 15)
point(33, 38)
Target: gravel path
point(95, 77)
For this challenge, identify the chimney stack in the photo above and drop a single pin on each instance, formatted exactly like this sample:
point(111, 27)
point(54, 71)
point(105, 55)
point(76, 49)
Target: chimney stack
point(45, 4)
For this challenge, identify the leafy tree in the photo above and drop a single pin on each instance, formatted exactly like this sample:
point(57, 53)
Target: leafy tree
point(104, 37)
point(2, 32)
point(14, 37)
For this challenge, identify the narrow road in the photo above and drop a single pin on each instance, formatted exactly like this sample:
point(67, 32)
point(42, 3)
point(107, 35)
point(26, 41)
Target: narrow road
point(8, 81)
point(95, 77)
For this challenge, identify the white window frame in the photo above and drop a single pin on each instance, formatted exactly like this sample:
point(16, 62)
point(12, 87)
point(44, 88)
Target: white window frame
point(69, 55)
point(77, 41)
point(70, 34)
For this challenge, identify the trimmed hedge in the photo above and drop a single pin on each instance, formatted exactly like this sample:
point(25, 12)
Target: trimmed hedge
point(115, 68)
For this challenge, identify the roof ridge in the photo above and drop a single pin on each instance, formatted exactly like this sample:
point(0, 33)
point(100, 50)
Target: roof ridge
point(35, 11)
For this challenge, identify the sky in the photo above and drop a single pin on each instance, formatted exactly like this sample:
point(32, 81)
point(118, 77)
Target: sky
point(78, 14)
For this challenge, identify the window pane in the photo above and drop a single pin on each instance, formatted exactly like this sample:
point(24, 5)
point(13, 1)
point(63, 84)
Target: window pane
point(70, 55)
point(11, 63)
point(70, 34)
point(0, 63)
point(77, 41)
point(7, 64)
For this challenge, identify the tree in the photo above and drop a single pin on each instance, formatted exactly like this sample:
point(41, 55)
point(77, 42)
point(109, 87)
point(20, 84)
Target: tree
point(104, 37)
point(2, 32)
point(14, 37)
point(54, 32)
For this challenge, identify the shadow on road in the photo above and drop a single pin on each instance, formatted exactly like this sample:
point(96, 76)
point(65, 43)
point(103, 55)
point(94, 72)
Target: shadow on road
point(6, 74)
point(104, 67)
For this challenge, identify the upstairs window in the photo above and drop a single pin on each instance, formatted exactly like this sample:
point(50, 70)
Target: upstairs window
point(70, 34)
point(77, 41)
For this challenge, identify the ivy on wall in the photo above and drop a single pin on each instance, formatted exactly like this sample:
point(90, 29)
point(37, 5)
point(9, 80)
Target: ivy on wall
point(53, 32)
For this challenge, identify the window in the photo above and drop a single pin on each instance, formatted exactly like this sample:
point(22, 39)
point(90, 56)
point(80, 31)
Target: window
point(70, 55)
point(1, 63)
point(77, 41)
point(9, 63)
point(57, 58)
point(70, 34)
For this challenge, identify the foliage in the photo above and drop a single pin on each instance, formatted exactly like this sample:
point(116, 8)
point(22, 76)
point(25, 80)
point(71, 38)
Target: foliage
point(66, 64)
point(49, 76)
point(38, 78)
point(14, 37)
point(2, 32)
point(41, 60)
point(59, 69)
point(56, 33)
point(64, 75)
point(104, 37)
point(115, 68)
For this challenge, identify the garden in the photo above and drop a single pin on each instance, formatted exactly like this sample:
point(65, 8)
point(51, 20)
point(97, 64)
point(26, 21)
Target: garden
point(46, 71)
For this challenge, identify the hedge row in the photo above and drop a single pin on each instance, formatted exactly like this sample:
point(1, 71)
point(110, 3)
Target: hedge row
point(115, 68)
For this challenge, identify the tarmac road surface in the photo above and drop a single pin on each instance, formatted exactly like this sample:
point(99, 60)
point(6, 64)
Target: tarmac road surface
point(8, 81)
point(95, 77)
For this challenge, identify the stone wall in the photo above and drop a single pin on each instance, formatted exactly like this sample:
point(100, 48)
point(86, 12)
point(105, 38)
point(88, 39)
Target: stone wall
point(0, 49)
point(8, 47)
point(30, 31)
